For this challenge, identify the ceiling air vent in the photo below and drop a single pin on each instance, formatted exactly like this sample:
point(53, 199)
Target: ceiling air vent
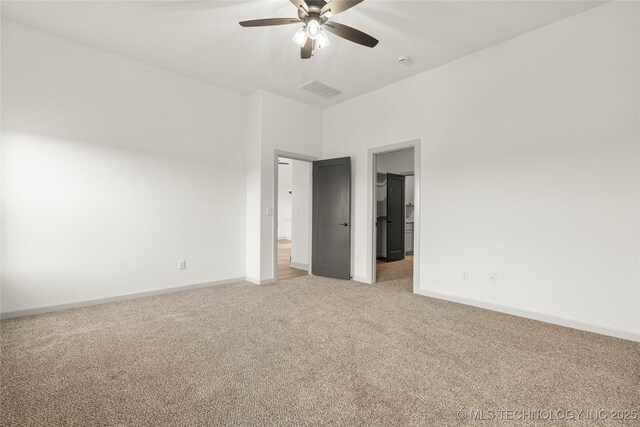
point(320, 89)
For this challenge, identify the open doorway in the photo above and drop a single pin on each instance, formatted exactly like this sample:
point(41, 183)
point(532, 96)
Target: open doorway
point(293, 226)
point(394, 217)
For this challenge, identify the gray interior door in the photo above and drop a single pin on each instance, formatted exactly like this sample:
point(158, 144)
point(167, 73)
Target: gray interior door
point(395, 217)
point(331, 236)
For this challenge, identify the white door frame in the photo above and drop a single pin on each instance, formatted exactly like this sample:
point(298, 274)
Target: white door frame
point(371, 206)
point(291, 156)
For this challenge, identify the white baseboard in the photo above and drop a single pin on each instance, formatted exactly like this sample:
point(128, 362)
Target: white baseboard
point(361, 280)
point(97, 301)
point(252, 280)
point(299, 266)
point(256, 281)
point(548, 318)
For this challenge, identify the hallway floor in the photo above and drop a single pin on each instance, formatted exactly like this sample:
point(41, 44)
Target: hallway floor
point(285, 271)
point(396, 270)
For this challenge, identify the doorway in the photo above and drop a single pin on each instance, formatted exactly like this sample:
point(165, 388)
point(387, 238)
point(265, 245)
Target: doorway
point(320, 204)
point(331, 240)
point(394, 217)
point(293, 217)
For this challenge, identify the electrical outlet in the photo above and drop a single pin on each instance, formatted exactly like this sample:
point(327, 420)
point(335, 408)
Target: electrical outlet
point(465, 275)
point(182, 265)
point(493, 277)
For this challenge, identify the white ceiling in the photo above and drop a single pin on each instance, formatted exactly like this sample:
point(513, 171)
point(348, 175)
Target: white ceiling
point(203, 39)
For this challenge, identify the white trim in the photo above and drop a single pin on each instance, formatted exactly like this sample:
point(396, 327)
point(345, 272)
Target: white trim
point(98, 301)
point(299, 266)
point(371, 207)
point(256, 281)
point(274, 231)
point(360, 280)
point(252, 280)
point(548, 318)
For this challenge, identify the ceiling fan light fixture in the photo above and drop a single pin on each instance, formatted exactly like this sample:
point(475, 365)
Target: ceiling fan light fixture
point(314, 16)
point(313, 29)
point(300, 37)
point(322, 39)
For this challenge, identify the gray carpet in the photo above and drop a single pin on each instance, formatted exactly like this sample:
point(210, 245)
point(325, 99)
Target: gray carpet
point(306, 351)
point(394, 271)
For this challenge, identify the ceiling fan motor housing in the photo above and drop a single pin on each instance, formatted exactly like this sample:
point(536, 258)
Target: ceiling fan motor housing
point(315, 6)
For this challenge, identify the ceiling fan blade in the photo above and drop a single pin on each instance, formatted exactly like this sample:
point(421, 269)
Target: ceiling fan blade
point(301, 5)
point(351, 34)
point(307, 50)
point(337, 6)
point(269, 22)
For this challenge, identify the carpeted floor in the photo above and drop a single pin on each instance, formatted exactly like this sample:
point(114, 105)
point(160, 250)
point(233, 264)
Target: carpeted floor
point(395, 270)
point(306, 351)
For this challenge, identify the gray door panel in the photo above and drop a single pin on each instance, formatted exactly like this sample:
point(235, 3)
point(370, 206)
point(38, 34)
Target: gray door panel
point(331, 237)
point(395, 217)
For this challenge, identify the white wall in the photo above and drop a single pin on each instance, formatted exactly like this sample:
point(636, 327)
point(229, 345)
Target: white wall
point(285, 201)
point(287, 126)
point(253, 142)
point(301, 204)
point(112, 172)
point(530, 167)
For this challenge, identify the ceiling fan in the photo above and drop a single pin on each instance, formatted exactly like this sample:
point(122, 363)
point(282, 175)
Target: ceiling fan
point(315, 15)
